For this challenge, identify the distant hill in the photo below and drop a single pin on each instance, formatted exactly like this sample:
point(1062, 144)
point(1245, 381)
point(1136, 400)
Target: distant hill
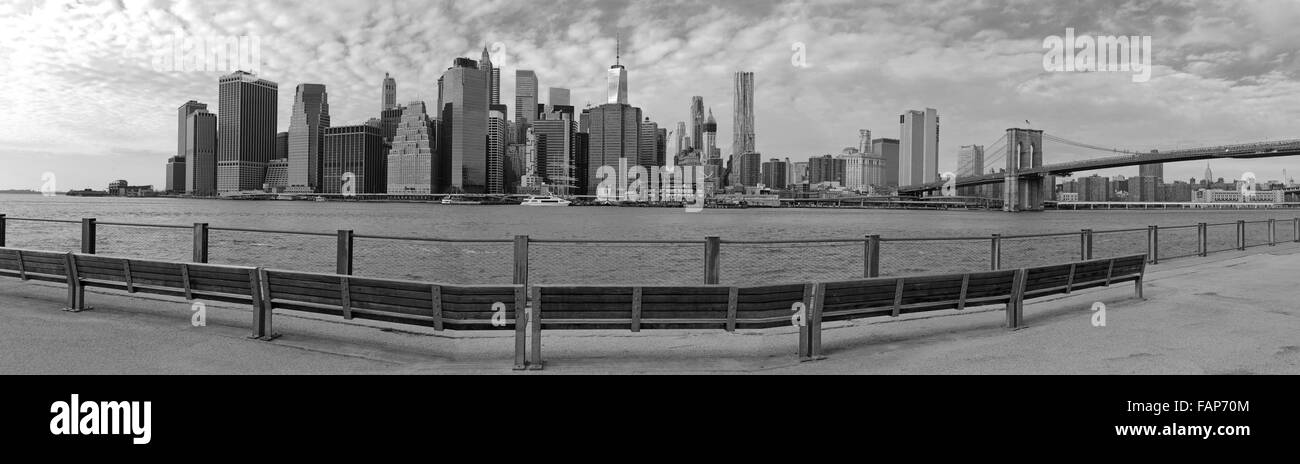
point(29, 192)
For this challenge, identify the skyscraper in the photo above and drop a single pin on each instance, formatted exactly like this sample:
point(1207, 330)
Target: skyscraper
point(411, 157)
point(525, 101)
point(970, 160)
point(201, 153)
point(1209, 175)
point(711, 139)
point(681, 140)
point(615, 132)
point(311, 115)
point(743, 115)
point(555, 146)
point(648, 149)
point(776, 174)
point(918, 147)
point(887, 150)
point(826, 169)
point(246, 128)
point(176, 174)
point(864, 141)
point(493, 77)
point(182, 114)
point(389, 98)
point(1156, 170)
point(463, 105)
point(356, 150)
point(558, 97)
point(496, 149)
point(616, 79)
point(697, 124)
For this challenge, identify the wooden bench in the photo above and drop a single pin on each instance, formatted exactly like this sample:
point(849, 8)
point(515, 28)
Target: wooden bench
point(456, 307)
point(895, 296)
point(42, 266)
point(636, 308)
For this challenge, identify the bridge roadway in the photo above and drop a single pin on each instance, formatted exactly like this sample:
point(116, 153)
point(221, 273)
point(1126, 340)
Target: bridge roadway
point(1240, 151)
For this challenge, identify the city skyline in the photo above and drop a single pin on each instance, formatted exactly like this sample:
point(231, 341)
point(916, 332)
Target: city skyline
point(1239, 85)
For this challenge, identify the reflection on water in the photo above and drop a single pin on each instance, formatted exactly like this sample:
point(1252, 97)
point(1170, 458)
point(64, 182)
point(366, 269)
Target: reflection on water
point(625, 264)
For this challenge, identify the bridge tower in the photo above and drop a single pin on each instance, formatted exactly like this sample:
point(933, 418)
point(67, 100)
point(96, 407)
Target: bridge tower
point(1024, 192)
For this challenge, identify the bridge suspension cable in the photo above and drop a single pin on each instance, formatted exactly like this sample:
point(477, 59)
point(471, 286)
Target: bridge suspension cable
point(1065, 141)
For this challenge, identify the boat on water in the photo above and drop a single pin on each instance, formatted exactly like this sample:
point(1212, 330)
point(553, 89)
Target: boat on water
point(460, 200)
point(321, 199)
point(545, 201)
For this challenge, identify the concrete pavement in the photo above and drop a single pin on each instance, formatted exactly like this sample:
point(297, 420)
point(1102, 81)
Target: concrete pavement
point(1230, 313)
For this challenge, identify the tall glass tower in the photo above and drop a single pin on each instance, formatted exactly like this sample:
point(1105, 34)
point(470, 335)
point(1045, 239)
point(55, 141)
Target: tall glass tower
point(311, 115)
point(246, 127)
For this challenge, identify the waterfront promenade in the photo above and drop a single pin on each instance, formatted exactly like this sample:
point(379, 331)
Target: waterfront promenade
point(1231, 313)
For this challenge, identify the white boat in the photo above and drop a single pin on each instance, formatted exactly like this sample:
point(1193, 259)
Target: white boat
point(459, 200)
point(321, 199)
point(545, 201)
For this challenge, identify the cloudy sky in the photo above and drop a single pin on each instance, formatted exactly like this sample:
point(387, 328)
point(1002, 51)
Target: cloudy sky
point(82, 93)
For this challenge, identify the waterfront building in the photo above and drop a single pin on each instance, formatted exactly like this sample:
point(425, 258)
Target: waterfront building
point(1094, 188)
point(825, 169)
point(1236, 196)
point(648, 144)
point(354, 155)
point(615, 133)
point(461, 166)
point(918, 147)
point(887, 151)
point(176, 174)
point(749, 169)
point(201, 153)
point(246, 129)
point(311, 115)
point(513, 167)
point(776, 174)
point(411, 156)
point(277, 175)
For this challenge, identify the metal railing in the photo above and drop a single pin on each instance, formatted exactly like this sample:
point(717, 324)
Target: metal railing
point(713, 260)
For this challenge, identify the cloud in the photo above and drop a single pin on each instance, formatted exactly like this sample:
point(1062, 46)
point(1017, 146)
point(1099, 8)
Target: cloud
point(79, 80)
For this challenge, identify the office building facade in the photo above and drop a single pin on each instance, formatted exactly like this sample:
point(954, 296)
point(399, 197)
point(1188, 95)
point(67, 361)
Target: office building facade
point(918, 147)
point(246, 128)
point(311, 115)
point(353, 160)
point(463, 109)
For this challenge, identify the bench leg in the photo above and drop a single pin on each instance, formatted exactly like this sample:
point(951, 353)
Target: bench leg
point(805, 350)
point(1137, 287)
point(77, 299)
point(521, 329)
point(536, 363)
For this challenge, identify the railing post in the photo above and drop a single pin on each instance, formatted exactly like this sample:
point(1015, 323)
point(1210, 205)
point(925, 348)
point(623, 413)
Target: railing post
point(200, 242)
point(2, 230)
point(995, 254)
point(1089, 244)
point(1202, 230)
point(1153, 244)
point(1241, 235)
point(712, 248)
point(871, 257)
point(344, 262)
point(88, 236)
point(1295, 228)
point(521, 260)
point(1272, 232)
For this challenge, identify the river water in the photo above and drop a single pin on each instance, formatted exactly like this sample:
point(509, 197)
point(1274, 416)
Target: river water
point(604, 263)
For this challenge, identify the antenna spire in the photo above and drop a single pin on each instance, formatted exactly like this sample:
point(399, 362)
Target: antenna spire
point(618, 49)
